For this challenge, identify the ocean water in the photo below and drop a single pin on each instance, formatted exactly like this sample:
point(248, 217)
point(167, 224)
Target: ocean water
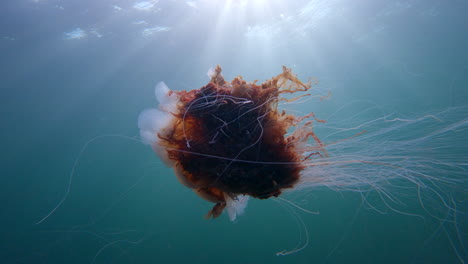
point(76, 74)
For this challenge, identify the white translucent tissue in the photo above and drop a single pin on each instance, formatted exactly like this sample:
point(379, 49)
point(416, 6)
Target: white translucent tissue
point(236, 207)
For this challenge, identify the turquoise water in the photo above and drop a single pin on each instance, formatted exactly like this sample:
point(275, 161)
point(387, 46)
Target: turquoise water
point(75, 70)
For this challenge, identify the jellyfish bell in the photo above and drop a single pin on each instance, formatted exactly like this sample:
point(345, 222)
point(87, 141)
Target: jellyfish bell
point(228, 141)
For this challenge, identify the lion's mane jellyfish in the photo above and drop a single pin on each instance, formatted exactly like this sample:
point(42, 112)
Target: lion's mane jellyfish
point(228, 141)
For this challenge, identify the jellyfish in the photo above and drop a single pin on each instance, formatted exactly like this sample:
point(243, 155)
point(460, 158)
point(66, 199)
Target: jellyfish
point(230, 141)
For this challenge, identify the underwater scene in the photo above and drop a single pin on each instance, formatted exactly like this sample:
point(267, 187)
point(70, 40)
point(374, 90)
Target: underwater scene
point(234, 131)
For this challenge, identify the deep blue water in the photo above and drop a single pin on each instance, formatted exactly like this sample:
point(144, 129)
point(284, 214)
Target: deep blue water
point(74, 70)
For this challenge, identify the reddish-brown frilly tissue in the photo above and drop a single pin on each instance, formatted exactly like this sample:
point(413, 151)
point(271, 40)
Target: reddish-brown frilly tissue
point(229, 141)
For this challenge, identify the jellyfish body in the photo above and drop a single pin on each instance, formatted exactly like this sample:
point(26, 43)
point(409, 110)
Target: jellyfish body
point(228, 141)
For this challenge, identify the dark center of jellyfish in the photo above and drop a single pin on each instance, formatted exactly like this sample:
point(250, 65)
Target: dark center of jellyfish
point(244, 140)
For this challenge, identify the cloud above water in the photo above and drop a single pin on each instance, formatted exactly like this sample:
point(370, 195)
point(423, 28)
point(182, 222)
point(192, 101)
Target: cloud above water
point(77, 33)
point(145, 5)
